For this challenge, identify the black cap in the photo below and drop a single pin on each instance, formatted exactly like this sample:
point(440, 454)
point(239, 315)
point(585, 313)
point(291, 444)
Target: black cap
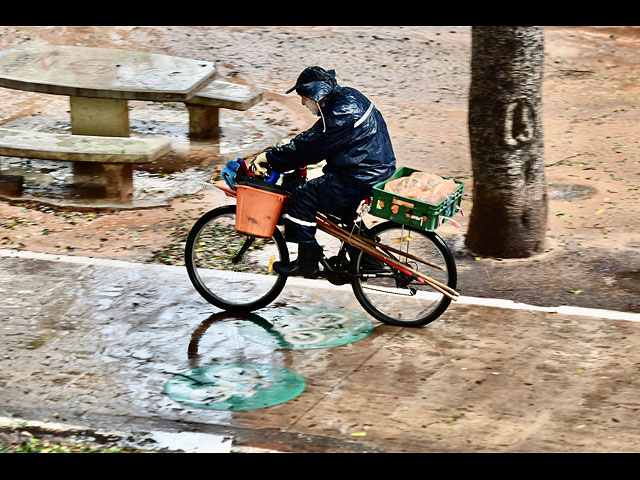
point(310, 74)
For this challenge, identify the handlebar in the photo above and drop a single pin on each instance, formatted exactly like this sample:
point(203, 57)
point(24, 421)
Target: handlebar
point(273, 176)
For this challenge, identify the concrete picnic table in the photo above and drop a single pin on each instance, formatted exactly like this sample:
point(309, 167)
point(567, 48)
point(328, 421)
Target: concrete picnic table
point(100, 81)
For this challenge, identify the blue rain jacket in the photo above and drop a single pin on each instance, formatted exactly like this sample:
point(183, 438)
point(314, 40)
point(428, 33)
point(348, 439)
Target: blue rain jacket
point(351, 136)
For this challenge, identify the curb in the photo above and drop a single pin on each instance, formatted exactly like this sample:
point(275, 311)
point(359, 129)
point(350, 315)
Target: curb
point(312, 283)
point(35, 427)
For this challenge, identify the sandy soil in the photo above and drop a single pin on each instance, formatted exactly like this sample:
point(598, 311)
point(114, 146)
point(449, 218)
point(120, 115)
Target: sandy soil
point(418, 77)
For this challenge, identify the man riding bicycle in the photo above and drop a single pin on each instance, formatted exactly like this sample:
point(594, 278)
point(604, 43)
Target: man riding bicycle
point(352, 137)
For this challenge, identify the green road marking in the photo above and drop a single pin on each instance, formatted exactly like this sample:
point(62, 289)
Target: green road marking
point(300, 328)
point(235, 386)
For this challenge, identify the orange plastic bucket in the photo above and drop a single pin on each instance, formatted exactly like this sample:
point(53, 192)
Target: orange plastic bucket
point(258, 211)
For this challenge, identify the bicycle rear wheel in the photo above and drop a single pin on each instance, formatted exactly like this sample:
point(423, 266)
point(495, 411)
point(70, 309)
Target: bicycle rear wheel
point(391, 296)
point(230, 269)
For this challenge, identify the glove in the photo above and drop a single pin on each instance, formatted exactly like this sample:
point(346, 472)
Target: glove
point(260, 164)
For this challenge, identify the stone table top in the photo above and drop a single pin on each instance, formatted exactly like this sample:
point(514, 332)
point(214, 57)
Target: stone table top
point(103, 73)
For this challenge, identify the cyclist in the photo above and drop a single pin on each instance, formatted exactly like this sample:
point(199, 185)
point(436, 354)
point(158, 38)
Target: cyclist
point(352, 137)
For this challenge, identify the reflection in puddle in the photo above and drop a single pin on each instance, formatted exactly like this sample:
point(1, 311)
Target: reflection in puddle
point(286, 328)
point(300, 328)
point(183, 171)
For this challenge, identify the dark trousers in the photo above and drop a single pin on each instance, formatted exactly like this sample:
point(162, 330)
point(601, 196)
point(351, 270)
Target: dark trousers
point(327, 194)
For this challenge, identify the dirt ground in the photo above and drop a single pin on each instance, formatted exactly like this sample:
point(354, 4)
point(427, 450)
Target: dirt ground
point(418, 77)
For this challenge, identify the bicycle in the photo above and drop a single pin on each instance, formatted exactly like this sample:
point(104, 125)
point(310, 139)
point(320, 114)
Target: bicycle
point(385, 265)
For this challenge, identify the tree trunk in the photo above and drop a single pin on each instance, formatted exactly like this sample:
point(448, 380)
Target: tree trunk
point(509, 214)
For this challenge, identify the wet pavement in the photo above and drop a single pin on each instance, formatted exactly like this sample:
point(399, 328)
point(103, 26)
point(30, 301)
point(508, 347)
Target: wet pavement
point(90, 346)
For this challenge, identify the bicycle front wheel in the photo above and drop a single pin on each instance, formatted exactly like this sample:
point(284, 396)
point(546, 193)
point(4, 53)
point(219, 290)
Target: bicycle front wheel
point(229, 269)
point(391, 296)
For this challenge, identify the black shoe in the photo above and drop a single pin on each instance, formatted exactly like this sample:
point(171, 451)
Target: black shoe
point(306, 264)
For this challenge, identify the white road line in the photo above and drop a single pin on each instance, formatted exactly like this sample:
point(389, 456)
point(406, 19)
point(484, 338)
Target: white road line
point(462, 300)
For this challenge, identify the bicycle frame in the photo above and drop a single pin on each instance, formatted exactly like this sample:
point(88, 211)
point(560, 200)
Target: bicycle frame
point(373, 248)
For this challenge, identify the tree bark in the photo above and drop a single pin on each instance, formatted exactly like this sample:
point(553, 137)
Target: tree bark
point(509, 213)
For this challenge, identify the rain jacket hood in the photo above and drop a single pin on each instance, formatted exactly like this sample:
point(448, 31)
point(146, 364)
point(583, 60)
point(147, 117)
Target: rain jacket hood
point(315, 83)
point(351, 136)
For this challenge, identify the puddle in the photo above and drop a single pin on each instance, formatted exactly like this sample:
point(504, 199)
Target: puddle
point(188, 442)
point(299, 328)
point(568, 192)
point(183, 171)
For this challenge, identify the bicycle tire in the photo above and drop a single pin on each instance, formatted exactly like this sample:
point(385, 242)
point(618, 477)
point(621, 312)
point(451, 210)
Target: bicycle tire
point(241, 284)
point(376, 293)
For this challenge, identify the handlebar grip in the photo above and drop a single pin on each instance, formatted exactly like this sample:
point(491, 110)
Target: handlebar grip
point(273, 178)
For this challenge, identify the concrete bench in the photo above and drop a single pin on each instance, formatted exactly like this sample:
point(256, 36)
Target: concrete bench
point(204, 107)
point(115, 155)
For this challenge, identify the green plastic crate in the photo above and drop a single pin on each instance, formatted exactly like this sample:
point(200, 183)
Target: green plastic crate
point(410, 211)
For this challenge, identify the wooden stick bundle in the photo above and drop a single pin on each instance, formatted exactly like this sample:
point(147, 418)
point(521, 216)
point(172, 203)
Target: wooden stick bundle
point(368, 246)
point(386, 248)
